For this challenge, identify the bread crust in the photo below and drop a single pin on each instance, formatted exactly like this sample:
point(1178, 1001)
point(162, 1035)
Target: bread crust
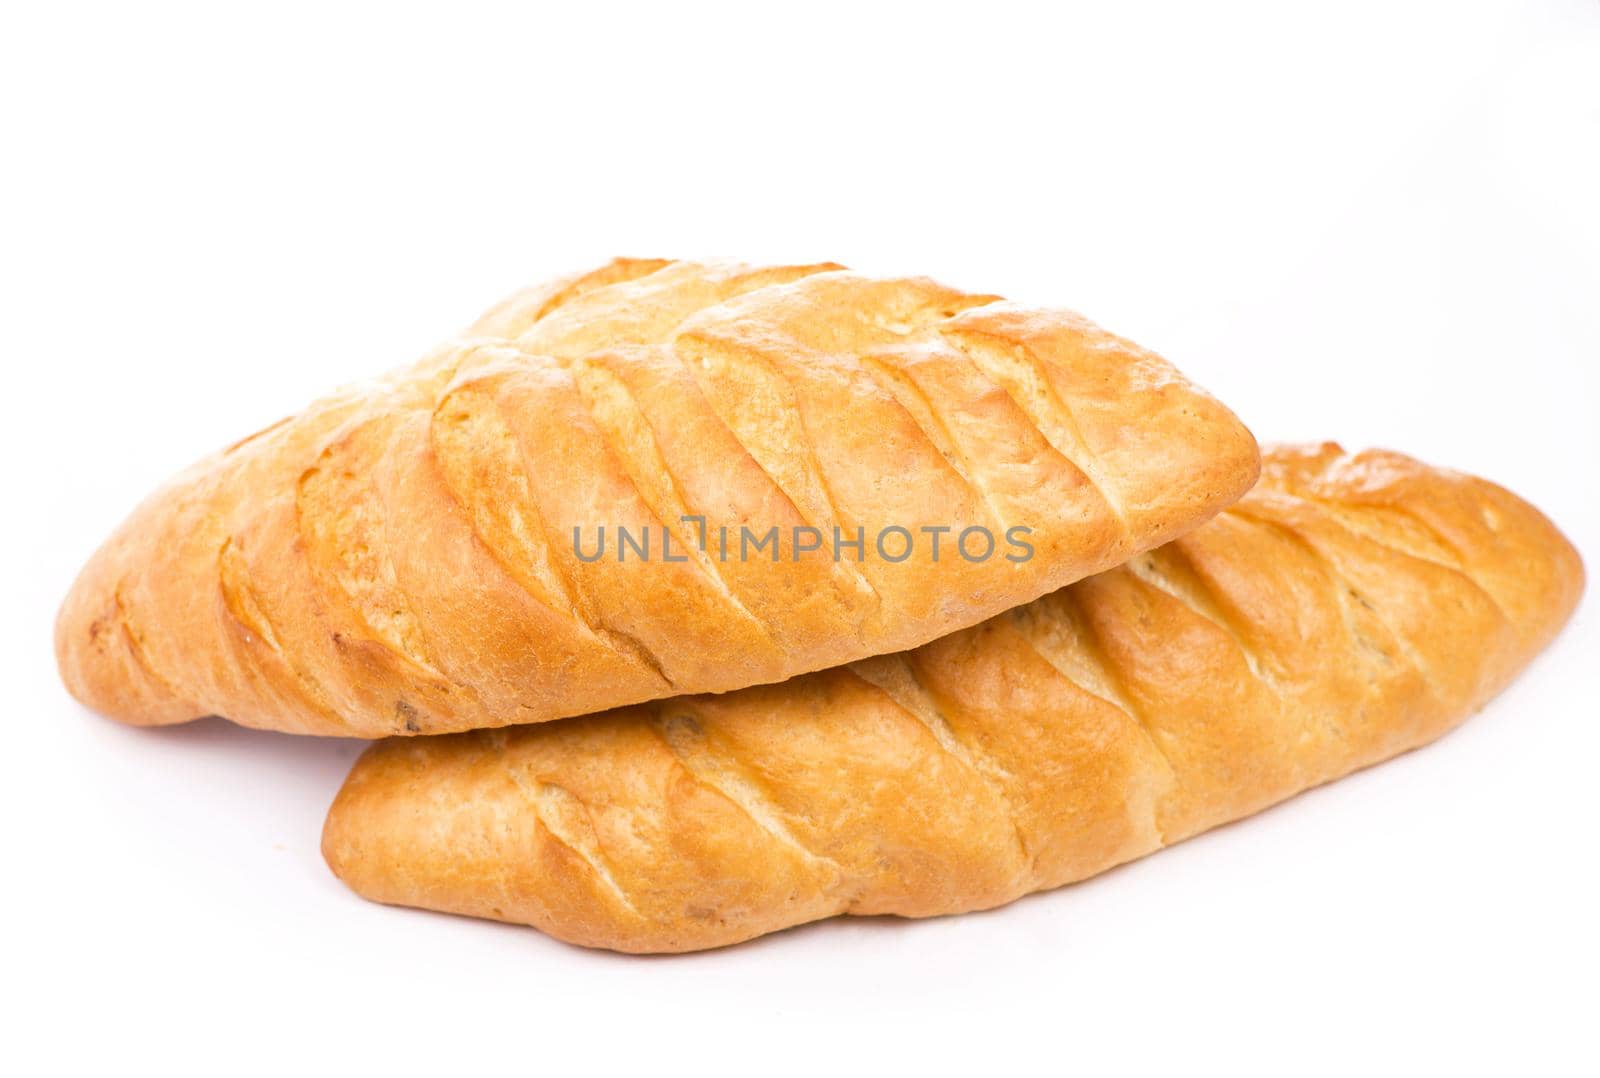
point(1349, 608)
point(399, 558)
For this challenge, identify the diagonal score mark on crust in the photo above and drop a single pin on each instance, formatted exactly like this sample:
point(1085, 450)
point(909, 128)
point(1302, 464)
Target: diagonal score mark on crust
point(626, 643)
point(1350, 518)
point(241, 604)
point(1093, 674)
point(134, 641)
point(1015, 370)
point(239, 599)
point(530, 562)
point(341, 516)
point(1088, 670)
point(807, 449)
point(1169, 570)
point(1344, 589)
point(1339, 591)
point(681, 732)
point(893, 677)
point(515, 522)
point(618, 271)
point(568, 820)
point(626, 435)
point(841, 568)
point(915, 402)
point(643, 310)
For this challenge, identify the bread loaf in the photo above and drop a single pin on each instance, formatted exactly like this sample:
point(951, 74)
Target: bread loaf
point(419, 554)
point(1348, 609)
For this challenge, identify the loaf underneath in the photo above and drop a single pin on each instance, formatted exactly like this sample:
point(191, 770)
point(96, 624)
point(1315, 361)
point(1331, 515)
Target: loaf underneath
point(1348, 609)
point(409, 555)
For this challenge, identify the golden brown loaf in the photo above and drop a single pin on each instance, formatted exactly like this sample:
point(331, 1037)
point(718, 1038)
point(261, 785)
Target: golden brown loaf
point(1348, 609)
point(401, 557)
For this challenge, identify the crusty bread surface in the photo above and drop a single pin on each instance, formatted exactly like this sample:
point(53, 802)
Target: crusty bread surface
point(410, 555)
point(1349, 608)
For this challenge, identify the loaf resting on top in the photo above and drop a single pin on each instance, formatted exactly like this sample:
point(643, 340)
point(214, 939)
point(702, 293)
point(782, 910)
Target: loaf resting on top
point(421, 553)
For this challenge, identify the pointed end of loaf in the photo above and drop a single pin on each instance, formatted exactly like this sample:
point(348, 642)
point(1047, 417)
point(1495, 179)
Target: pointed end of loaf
point(100, 656)
point(1506, 545)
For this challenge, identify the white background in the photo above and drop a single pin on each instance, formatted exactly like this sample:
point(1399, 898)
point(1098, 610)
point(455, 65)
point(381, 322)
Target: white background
point(1376, 222)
